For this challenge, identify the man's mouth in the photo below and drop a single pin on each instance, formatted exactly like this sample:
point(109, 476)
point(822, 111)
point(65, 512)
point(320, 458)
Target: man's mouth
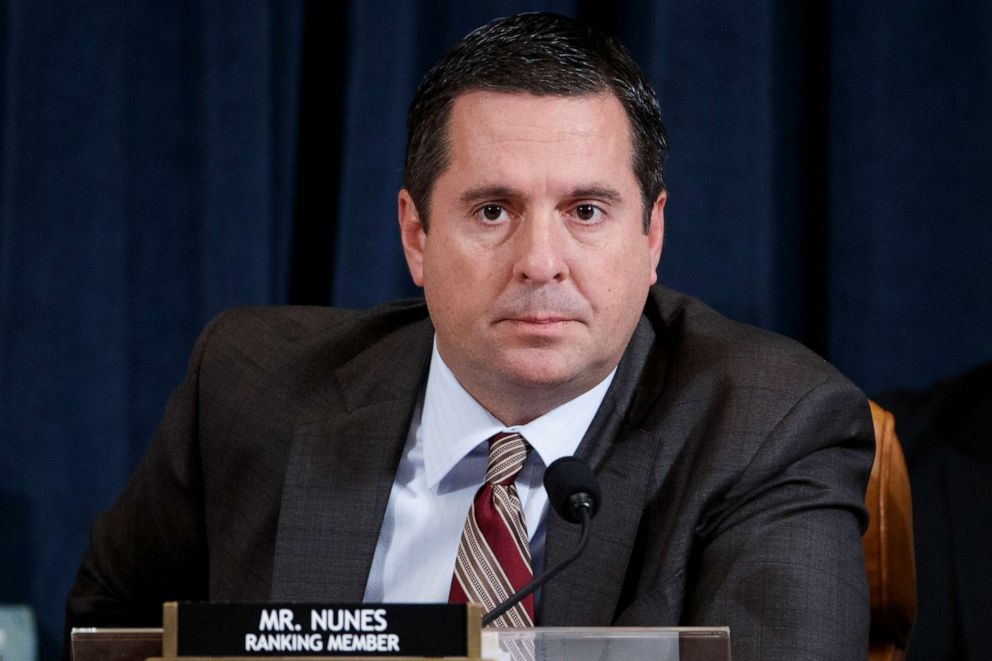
point(540, 319)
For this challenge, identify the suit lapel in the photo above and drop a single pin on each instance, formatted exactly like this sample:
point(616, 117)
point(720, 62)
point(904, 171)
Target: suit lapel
point(587, 593)
point(341, 469)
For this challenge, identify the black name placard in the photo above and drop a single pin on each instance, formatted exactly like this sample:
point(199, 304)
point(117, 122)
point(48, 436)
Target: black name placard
point(198, 629)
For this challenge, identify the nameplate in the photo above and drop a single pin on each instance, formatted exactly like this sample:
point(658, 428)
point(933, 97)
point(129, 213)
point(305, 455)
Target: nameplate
point(196, 629)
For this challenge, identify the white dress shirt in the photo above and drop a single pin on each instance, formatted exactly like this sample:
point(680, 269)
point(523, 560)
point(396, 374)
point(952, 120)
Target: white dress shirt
point(443, 465)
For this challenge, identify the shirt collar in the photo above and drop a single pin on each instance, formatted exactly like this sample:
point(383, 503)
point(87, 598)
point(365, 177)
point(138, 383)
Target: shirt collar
point(453, 423)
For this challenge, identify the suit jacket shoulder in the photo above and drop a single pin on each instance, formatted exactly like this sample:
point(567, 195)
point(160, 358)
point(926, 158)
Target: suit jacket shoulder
point(288, 352)
point(720, 353)
point(225, 479)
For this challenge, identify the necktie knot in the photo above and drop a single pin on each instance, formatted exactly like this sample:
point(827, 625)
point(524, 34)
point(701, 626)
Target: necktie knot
point(507, 453)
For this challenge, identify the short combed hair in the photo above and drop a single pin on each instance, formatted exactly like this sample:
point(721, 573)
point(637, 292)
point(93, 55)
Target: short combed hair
point(541, 54)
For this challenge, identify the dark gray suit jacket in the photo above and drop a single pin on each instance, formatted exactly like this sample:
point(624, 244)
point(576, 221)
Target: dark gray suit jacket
point(733, 465)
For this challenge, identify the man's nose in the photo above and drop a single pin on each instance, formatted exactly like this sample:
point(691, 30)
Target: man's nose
point(540, 249)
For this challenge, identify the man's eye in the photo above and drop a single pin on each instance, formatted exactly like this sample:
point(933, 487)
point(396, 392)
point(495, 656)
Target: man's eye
point(491, 213)
point(588, 212)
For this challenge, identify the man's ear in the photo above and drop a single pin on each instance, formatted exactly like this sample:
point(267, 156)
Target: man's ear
point(413, 235)
point(656, 233)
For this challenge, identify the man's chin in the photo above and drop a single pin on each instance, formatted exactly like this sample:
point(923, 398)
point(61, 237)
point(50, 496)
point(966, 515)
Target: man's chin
point(543, 370)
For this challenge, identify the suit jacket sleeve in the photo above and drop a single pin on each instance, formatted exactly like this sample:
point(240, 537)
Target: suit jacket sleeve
point(149, 547)
point(780, 558)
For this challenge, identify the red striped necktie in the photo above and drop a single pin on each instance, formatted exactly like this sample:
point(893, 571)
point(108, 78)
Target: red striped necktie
point(493, 558)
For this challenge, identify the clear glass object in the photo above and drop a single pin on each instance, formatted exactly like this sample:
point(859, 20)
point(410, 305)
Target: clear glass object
point(607, 644)
point(18, 636)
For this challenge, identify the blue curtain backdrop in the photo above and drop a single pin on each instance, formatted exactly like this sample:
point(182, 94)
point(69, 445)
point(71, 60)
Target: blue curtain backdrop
point(162, 161)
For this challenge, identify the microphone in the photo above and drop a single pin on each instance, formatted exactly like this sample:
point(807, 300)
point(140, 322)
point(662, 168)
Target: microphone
point(574, 494)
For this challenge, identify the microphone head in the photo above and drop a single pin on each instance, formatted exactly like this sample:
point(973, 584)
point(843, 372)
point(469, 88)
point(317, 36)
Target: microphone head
point(571, 486)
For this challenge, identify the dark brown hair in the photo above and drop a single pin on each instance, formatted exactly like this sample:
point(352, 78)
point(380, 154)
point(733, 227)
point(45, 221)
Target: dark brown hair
point(542, 54)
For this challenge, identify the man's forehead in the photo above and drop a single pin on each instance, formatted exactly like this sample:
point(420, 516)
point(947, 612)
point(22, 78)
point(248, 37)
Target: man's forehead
point(512, 131)
point(499, 118)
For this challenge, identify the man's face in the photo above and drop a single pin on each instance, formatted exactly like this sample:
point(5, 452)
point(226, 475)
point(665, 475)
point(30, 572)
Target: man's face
point(536, 266)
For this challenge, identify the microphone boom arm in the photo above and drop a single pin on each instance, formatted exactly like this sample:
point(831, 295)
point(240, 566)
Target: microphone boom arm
point(586, 515)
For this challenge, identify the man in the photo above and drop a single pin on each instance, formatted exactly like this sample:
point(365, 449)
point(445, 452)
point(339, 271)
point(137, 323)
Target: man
point(316, 454)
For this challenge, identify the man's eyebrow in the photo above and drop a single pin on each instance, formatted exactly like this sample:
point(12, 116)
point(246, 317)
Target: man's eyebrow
point(483, 193)
point(604, 193)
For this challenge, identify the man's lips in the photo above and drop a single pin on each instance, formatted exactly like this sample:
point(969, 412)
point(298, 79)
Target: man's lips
point(539, 324)
point(540, 327)
point(539, 320)
point(540, 307)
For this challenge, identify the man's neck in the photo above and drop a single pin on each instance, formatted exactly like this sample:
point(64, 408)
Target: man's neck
point(519, 404)
point(519, 410)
